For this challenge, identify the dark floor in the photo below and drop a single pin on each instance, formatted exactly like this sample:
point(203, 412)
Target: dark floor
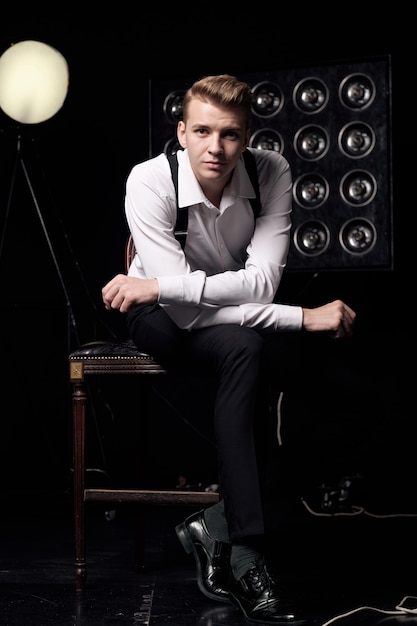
point(338, 564)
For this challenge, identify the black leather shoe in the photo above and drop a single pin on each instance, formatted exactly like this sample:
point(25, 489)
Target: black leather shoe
point(212, 557)
point(261, 601)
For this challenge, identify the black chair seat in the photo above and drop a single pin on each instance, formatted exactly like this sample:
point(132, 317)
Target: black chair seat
point(114, 348)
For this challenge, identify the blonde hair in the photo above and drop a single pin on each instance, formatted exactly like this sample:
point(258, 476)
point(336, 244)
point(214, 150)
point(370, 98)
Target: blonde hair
point(222, 89)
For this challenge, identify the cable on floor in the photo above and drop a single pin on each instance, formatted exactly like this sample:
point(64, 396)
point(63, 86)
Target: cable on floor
point(354, 512)
point(407, 606)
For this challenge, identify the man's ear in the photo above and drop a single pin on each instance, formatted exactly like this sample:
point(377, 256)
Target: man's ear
point(181, 134)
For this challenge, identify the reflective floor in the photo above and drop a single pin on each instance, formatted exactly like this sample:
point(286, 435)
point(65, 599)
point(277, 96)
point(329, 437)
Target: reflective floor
point(348, 569)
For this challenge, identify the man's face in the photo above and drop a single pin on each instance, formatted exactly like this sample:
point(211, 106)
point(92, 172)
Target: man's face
point(215, 137)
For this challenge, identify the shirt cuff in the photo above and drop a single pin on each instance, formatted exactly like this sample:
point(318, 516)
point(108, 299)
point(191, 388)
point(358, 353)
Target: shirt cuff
point(275, 317)
point(181, 289)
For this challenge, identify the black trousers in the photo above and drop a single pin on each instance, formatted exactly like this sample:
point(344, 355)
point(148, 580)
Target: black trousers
point(246, 365)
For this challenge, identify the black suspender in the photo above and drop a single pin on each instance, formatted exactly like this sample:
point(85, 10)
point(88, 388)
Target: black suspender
point(250, 165)
point(181, 226)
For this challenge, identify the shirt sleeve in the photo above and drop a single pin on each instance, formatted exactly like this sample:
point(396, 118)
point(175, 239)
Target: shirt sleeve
point(270, 317)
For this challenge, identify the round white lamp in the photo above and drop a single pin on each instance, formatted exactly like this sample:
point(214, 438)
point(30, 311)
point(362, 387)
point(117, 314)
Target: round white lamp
point(34, 80)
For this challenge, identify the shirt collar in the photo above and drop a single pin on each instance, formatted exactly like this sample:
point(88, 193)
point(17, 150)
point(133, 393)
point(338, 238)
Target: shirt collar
point(190, 192)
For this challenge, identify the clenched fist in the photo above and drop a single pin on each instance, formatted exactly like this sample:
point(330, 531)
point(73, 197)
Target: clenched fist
point(124, 291)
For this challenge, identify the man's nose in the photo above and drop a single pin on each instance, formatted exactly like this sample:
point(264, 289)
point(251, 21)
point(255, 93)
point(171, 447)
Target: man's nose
point(216, 145)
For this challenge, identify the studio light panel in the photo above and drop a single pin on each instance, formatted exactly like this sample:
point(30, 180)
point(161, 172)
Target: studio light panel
point(333, 124)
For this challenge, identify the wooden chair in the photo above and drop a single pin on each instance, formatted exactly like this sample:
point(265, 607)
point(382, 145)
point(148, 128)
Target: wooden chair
point(106, 358)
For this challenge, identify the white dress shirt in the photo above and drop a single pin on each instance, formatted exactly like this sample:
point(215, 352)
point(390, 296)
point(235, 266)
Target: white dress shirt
point(229, 272)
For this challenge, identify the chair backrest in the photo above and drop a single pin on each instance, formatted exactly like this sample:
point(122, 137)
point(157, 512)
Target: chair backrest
point(130, 252)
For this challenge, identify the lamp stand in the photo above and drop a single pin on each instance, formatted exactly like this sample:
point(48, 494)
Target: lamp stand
point(19, 161)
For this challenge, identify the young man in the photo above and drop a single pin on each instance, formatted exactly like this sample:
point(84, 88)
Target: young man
point(214, 303)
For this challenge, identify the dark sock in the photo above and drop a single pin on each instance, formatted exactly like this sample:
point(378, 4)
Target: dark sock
point(245, 555)
point(216, 522)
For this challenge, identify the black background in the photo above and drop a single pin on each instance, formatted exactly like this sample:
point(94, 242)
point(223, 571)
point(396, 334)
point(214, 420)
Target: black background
point(78, 162)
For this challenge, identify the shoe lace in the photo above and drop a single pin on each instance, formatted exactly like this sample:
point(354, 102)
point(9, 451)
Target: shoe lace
point(259, 577)
point(266, 583)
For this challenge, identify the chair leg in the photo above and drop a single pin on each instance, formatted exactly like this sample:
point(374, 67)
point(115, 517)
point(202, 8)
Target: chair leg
point(143, 460)
point(78, 415)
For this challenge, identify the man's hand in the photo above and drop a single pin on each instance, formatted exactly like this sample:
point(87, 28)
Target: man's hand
point(124, 291)
point(336, 318)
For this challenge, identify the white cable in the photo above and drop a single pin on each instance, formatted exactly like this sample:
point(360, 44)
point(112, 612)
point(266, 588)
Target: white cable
point(355, 511)
point(400, 609)
point(408, 609)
